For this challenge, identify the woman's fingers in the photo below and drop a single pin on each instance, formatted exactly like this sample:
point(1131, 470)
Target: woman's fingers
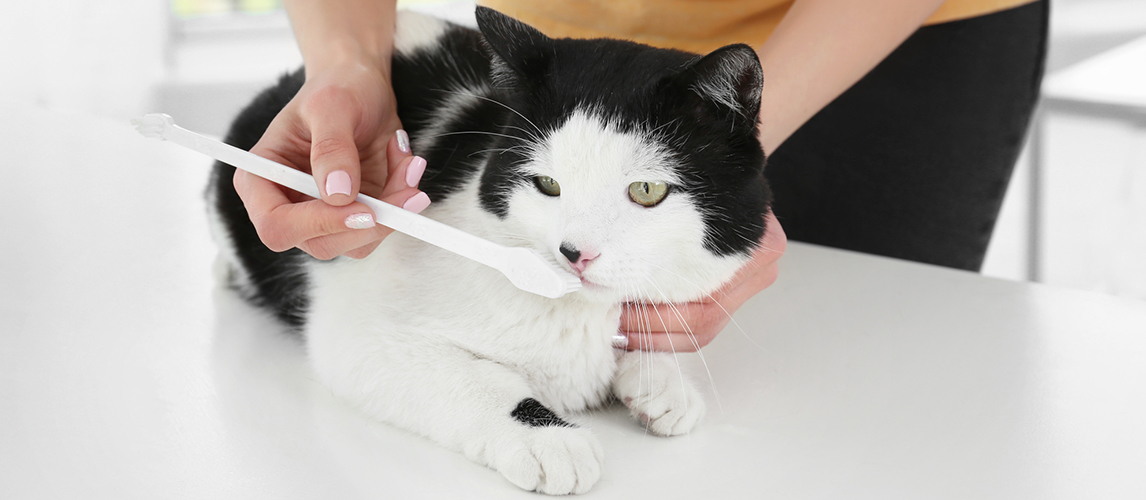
point(334, 160)
point(690, 326)
point(668, 342)
point(320, 229)
point(676, 327)
point(402, 191)
point(358, 243)
point(405, 170)
point(702, 319)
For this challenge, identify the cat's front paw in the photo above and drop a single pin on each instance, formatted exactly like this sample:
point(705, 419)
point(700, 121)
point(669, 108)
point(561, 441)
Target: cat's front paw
point(554, 460)
point(657, 395)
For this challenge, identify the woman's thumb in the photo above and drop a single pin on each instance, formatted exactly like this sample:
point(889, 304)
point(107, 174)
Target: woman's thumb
point(334, 161)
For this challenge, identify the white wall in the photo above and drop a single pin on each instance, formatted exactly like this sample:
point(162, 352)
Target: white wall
point(91, 56)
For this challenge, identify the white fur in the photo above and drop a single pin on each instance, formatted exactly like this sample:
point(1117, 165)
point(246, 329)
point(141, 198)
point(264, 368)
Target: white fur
point(429, 341)
point(445, 347)
point(414, 31)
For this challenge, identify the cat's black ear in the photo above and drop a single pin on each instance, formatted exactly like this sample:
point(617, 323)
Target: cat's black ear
point(729, 77)
point(521, 47)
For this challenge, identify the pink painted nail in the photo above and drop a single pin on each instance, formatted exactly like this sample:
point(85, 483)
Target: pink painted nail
point(415, 170)
point(403, 141)
point(359, 221)
point(338, 182)
point(417, 203)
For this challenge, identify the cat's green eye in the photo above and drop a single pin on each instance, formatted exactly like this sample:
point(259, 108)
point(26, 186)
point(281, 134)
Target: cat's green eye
point(648, 193)
point(547, 185)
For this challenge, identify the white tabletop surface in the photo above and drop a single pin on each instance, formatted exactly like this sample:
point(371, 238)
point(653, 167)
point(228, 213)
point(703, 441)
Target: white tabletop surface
point(125, 374)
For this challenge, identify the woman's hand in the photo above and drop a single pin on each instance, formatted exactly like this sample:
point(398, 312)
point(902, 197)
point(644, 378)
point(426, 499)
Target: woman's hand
point(342, 127)
point(688, 327)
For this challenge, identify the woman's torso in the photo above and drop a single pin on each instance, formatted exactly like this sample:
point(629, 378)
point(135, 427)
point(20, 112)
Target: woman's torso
point(693, 25)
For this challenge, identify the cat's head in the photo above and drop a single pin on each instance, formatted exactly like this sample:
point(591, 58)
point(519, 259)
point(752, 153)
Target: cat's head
point(637, 168)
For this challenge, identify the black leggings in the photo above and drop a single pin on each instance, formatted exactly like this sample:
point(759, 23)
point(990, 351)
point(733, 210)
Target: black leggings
point(913, 161)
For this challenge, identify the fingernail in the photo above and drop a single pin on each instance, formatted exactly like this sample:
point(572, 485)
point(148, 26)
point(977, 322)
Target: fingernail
point(403, 141)
point(359, 221)
point(620, 341)
point(338, 182)
point(415, 170)
point(417, 203)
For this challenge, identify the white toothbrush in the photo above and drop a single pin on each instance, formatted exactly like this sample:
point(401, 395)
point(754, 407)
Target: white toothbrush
point(526, 268)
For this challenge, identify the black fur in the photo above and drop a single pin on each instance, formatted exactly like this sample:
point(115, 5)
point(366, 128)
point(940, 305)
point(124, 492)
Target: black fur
point(534, 84)
point(278, 283)
point(534, 414)
point(422, 81)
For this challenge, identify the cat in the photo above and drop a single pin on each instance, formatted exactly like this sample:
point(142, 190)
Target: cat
point(638, 168)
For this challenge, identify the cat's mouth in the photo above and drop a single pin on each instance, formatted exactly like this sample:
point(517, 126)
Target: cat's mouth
point(587, 283)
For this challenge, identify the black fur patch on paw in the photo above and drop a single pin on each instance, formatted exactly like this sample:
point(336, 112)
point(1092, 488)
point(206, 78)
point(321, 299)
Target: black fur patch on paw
point(532, 413)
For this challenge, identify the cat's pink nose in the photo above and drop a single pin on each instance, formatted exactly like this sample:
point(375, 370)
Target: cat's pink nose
point(584, 261)
point(579, 259)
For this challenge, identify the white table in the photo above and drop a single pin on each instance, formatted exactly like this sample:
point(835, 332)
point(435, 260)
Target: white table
point(124, 374)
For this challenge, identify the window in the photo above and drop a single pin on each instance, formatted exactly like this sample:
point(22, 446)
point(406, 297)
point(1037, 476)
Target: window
point(191, 9)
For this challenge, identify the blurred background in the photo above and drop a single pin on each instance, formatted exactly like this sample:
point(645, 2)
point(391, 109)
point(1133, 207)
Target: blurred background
point(1075, 214)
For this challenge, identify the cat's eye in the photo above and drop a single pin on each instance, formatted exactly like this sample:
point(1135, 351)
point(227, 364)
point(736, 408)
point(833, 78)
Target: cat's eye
point(648, 193)
point(547, 185)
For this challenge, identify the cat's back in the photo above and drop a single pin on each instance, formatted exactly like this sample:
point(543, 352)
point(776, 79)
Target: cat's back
point(440, 76)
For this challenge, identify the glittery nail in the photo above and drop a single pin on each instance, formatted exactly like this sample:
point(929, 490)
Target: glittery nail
point(359, 221)
point(403, 141)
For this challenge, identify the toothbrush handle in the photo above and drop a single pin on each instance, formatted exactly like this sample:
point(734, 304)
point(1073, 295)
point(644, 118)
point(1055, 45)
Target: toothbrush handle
point(423, 228)
point(245, 160)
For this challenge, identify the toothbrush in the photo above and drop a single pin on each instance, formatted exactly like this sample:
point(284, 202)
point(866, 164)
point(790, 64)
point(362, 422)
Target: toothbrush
point(526, 268)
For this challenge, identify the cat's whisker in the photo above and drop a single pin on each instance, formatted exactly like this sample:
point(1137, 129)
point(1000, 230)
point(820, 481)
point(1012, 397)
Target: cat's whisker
point(531, 135)
point(637, 309)
point(495, 134)
point(506, 106)
point(731, 319)
point(497, 150)
point(691, 336)
point(644, 358)
point(664, 326)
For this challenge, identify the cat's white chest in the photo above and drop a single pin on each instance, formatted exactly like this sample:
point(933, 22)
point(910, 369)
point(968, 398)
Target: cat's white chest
point(411, 296)
point(569, 359)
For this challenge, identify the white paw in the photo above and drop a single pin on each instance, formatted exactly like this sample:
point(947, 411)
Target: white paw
point(658, 396)
point(552, 460)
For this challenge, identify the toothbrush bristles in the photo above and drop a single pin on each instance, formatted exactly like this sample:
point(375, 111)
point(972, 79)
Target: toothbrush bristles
point(152, 125)
point(572, 282)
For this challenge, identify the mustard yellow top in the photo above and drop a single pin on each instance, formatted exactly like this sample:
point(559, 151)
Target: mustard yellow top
point(693, 25)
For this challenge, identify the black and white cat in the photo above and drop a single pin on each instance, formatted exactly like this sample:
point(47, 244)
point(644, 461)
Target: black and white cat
point(637, 166)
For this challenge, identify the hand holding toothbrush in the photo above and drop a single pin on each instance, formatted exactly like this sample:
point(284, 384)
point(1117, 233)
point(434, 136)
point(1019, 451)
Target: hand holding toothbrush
point(338, 41)
point(343, 129)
